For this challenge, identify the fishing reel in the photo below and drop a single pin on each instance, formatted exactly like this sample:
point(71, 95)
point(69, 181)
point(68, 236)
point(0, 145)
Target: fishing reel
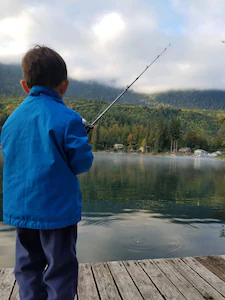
point(87, 125)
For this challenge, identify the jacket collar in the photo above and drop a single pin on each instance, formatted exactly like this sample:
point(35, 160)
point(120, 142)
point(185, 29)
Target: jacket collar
point(38, 90)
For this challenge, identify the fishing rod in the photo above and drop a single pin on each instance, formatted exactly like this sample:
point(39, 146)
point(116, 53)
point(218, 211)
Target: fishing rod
point(90, 126)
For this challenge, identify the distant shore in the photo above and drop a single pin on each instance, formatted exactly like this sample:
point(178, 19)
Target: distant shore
point(162, 154)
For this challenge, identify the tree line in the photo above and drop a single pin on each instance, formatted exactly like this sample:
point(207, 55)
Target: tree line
point(160, 136)
point(160, 128)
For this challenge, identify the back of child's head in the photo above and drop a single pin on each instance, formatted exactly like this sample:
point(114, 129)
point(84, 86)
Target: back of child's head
point(43, 66)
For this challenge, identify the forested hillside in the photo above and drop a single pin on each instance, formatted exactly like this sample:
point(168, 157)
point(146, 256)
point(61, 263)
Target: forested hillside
point(193, 99)
point(156, 121)
point(10, 76)
point(136, 126)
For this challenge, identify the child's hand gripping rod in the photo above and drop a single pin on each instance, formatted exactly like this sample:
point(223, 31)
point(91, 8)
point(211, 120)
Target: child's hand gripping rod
point(90, 126)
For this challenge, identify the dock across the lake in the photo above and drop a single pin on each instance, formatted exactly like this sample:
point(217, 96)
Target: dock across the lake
point(192, 278)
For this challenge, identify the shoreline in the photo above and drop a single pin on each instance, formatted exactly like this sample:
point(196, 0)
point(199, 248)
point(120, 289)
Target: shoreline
point(162, 154)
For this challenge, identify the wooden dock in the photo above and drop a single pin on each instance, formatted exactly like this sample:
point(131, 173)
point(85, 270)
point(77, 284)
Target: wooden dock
point(191, 278)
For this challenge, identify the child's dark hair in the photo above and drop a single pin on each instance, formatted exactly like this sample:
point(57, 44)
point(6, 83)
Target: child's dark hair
point(43, 66)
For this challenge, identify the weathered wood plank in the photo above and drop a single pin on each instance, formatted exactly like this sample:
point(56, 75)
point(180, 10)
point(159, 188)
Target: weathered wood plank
point(163, 284)
point(201, 285)
point(170, 279)
point(178, 280)
point(216, 264)
point(207, 275)
point(126, 286)
point(142, 281)
point(15, 294)
point(86, 285)
point(105, 283)
point(7, 281)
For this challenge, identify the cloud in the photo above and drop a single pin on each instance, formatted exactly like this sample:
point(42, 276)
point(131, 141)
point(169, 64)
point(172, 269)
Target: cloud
point(12, 8)
point(13, 35)
point(109, 27)
point(113, 41)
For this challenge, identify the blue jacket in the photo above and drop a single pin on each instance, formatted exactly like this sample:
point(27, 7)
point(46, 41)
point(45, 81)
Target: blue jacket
point(45, 147)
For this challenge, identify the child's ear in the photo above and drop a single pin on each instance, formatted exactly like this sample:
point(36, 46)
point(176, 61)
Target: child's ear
point(24, 86)
point(63, 87)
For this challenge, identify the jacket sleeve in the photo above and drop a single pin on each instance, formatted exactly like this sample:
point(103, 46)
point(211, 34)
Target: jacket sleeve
point(77, 149)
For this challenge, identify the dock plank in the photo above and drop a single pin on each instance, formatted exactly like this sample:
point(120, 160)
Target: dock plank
point(125, 284)
point(15, 294)
point(86, 285)
point(163, 284)
point(200, 284)
point(7, 282)
point(105, 283)
point(206, 274)
point(216, 264)
point(184, 286)
point(189, 278)
point(142, 281)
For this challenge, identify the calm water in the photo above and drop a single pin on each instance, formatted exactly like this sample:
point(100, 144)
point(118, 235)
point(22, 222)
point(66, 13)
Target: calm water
point(137, 207)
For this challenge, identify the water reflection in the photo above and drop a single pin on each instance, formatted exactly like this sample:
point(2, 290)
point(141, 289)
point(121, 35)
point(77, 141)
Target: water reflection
point(137, 207)
point(171, 186)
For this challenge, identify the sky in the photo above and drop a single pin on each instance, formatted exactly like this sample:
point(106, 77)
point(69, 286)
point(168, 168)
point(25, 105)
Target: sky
point(113, 41)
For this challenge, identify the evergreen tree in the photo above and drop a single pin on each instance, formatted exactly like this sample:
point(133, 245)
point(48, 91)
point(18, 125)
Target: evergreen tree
point(174, 132)
point(94, 138)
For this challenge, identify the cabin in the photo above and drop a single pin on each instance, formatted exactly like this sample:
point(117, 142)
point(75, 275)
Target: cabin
point(214, 154)
point(185, 150)
point(201, 152)
point(118, 146)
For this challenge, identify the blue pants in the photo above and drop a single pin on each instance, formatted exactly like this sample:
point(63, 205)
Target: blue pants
point(46, 264)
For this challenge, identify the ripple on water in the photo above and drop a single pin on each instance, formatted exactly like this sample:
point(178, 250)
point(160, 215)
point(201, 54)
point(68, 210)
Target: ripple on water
point(176, 244)
point(138, 243)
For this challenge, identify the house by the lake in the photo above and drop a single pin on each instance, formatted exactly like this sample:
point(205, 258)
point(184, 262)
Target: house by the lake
point(118, 146)
point(201, 153)
point(185, 150)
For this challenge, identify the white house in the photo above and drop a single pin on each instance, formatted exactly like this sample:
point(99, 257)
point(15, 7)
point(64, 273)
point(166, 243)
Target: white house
point(118, 146)
point(201, 152)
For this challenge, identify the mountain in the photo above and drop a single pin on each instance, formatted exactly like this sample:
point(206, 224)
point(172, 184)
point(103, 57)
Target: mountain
point(10, 76)
point(192, 99)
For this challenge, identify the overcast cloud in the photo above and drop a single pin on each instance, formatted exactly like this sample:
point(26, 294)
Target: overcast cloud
point(112, 41)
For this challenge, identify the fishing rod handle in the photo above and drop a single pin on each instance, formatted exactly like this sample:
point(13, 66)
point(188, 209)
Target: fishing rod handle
point(87, 125)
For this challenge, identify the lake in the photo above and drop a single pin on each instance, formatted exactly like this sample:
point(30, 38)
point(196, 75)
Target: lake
point(141, 206)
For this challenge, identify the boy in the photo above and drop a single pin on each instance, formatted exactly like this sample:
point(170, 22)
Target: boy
point(45, 146)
